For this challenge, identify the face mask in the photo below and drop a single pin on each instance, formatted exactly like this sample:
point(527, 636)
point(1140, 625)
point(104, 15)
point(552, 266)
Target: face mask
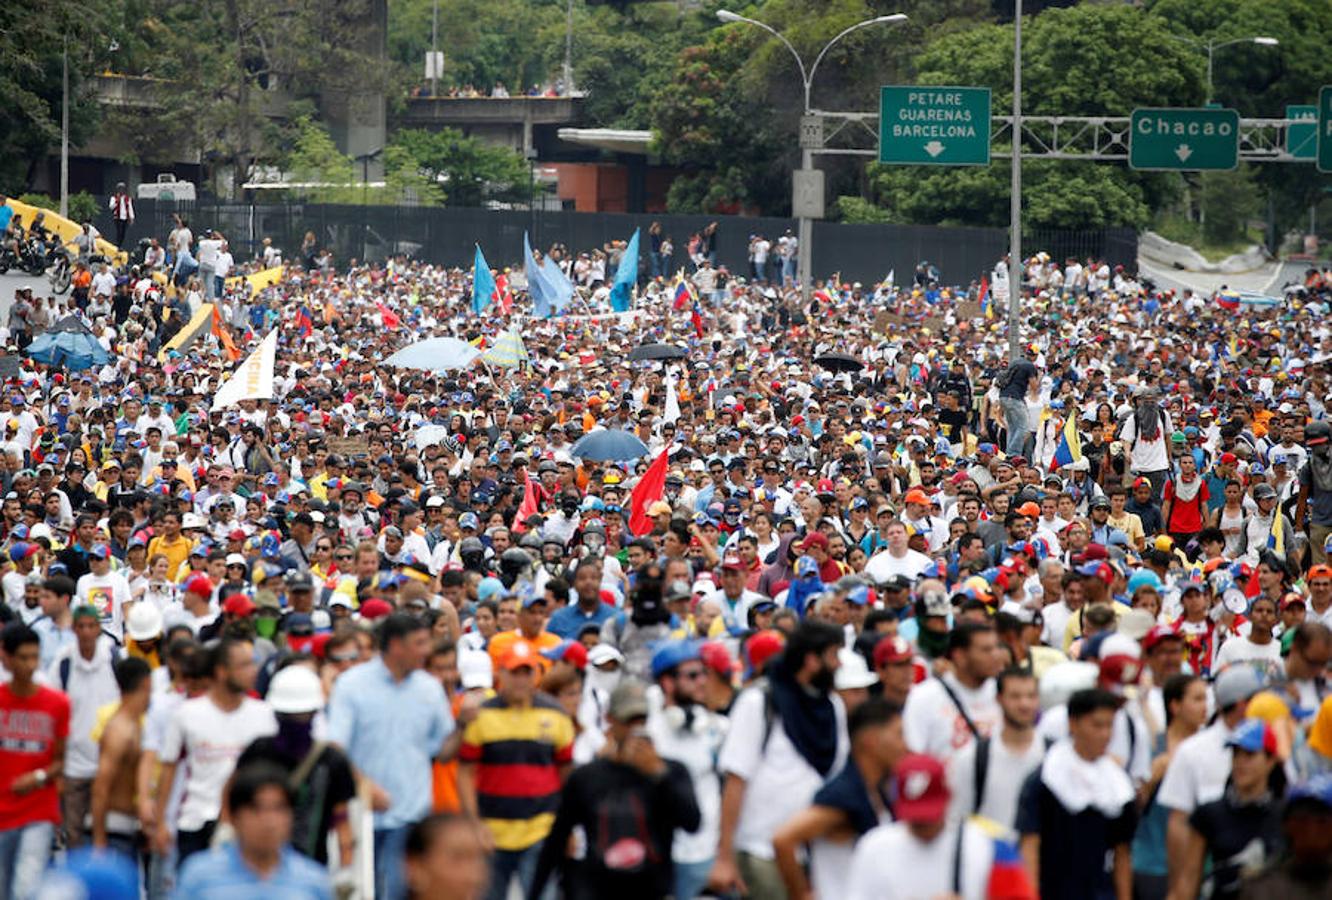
point(932, 643)
point(265, 627)
point(600, 681)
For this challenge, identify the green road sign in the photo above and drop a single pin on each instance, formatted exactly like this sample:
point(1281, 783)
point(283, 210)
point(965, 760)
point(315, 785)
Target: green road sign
point(1325, 129)
point(921, 125)
point(1184, 139)
point(1302, 133)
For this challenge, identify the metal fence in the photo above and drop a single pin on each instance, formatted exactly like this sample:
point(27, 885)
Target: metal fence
point(443, 235)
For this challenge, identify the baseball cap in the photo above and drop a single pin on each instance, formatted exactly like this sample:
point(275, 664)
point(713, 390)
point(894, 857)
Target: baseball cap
point(671, 654)
point(814, 539)
point(375, 609)
point(922, 789)
point(916, 495)
point(21, 551)
point(235, 559)
point(520, 655)
point(762, 647)
point(200, 584)
point(475, 670)
point(604, 653)
point(1253, 735)
point(732, 562)
point(572, 652)
point(892, 650)
point(239, 605)
point(1158, 634)
point(628, 701)
point(716, 657)
point(1235, 685)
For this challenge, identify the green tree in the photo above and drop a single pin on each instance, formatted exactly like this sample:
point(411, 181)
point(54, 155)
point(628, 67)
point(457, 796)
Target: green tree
point(33, 38)
point(470, 171)
point(1070, 67)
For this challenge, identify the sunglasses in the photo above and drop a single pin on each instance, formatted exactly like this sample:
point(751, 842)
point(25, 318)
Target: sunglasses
point(343, 556)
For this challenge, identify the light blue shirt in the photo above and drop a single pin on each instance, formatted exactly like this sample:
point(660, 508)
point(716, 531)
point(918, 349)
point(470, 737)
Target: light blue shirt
point(392, 731)
point(221, 874)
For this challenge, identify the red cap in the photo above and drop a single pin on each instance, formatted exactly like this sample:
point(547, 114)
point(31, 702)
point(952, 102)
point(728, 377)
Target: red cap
point(1158, 634)
point(319, 644)
point(825, 485)
point(1228, 459)
point(762, 647)
point(717, 658)
point(198, 583)
point(1029, 509)
point(375, 609)
point(916, 495)
point(733, 562)
point(239, 605)
point(236, 535)
point(814, 539)
point(1092, 552)
point(891, 650)
point(922, 789)
point(1141, 482)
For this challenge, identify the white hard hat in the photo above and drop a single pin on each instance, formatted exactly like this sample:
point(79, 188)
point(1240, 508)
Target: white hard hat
point(144, 621)
point(1065, 679)
point(852, 671)
point(296, 689)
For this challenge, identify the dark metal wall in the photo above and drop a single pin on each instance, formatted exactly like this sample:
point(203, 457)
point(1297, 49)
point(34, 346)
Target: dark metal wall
point(864, 253)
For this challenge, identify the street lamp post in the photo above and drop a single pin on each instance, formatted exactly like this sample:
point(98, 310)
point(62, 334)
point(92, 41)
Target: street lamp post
point(805, 238)
point(1015, 199)
point(1210, 47)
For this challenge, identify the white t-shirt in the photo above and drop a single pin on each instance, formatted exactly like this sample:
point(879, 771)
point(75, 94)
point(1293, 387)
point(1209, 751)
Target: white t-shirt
point(108, 593)
point(14, 586)
point(890, 863)
point(211, 741)
point(883, 565)
point(778, 781)
point(1003, 780)
point(1145, 455)
point(933, 724)
point(1130, 739)
point(1239, 649)
point(1198, 771)
point(695, 748)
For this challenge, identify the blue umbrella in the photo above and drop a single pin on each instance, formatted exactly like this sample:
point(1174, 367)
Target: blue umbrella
point(435, 354)
point(603, 446)
point(69, 344)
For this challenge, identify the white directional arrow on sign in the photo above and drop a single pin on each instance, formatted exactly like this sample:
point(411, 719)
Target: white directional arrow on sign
point(934, 148)
point(1183, 151)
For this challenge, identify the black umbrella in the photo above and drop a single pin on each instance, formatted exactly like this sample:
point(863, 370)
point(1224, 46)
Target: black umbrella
point(656, 351)
point(839, 362)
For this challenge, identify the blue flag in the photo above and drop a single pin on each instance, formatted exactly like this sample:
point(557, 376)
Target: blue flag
point(561, 288)
point(626, 277)
point(483, 283)
point(537, 288)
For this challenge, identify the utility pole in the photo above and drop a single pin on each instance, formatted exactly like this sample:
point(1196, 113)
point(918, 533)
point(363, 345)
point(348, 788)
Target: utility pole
point(434, 50)
point(64, 129)
point(568, 51)
point(1015, 200)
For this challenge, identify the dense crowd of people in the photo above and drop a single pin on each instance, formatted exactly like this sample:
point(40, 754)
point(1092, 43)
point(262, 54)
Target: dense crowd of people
point(877, 610)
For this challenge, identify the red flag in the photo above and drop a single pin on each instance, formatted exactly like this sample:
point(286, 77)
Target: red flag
point(648, 491)
point(529, 505)
point(390, 318)
point(697, 319)
point(503, 294)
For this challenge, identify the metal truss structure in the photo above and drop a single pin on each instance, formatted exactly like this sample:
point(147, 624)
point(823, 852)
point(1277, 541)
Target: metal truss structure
point(1053, 137)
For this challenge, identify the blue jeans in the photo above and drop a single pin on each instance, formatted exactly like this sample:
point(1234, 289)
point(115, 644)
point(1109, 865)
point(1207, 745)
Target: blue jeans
point(691, 879)
point(390, 882)
point(505, 864)
point(24, 855)
point(1015, 419)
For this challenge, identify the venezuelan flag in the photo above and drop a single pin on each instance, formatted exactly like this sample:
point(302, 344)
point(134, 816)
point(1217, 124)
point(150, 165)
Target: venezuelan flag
point(683, 296)
point(1276, 541)
point(1069, 450)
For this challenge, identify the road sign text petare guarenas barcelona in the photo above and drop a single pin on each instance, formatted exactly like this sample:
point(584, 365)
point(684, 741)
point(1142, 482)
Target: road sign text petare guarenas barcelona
point(927, 125)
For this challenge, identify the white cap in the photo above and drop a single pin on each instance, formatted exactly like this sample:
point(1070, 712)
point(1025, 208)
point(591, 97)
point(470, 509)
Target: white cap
point(235, 559)
point(475, 670)
point(192, 520)
point(604, 653)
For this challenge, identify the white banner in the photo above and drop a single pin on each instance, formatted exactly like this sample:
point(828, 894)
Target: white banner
point(254, 379)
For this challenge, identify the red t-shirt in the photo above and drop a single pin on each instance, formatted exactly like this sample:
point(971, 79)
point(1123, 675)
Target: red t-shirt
point(29, 730)
point(1185, 517)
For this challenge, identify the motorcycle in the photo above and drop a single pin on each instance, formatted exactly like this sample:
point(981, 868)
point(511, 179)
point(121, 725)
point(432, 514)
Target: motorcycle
point(61, 272)
point(29, 258)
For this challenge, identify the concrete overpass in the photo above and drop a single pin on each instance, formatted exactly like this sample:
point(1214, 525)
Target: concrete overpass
point(528, 125)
